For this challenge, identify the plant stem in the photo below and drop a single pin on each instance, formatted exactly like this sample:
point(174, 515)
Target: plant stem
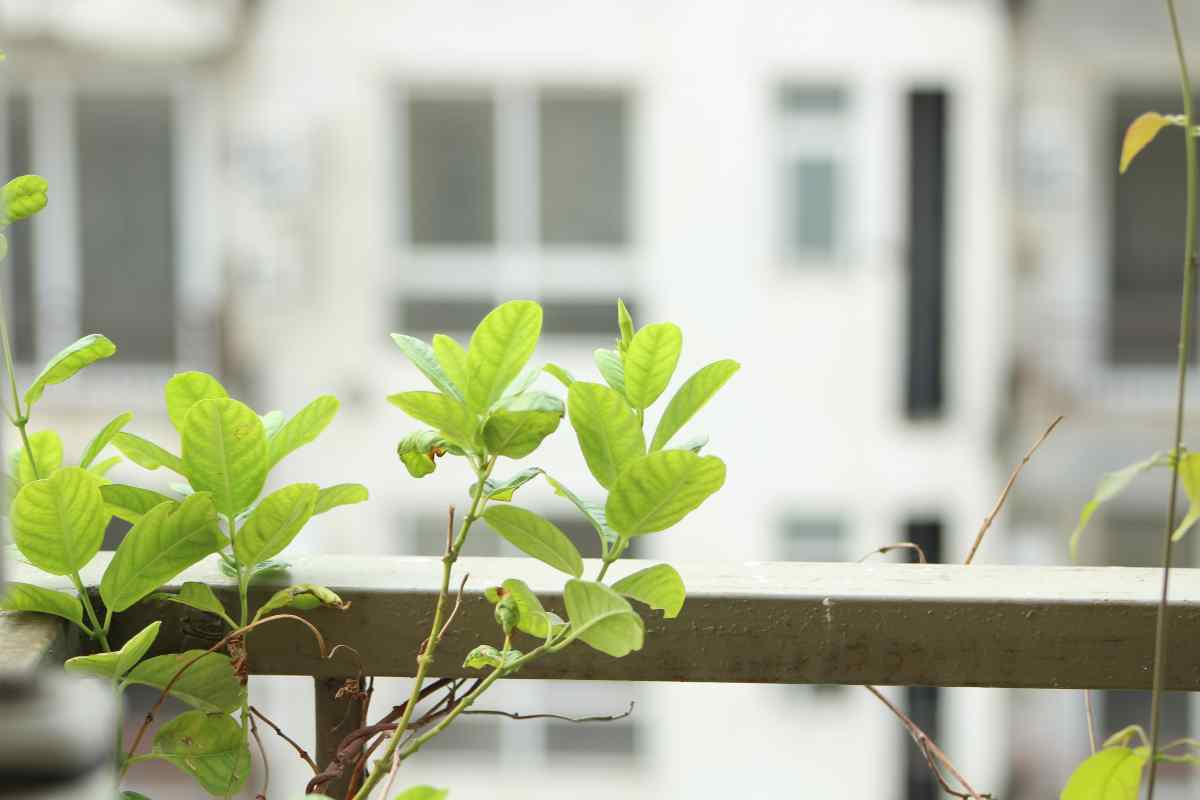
point(425, 657)
point(1185, 326)
point(8, 359)
point(101, 632)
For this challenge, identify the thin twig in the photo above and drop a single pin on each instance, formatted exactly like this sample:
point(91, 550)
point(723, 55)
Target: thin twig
point(1012, 479)
point(929, 746)
point(454, 611)
point(887, 548)
point(1091, 719)
point(523, 717)
point(387, 789)
point(266, 764)
point(450, 530)
point(279, 732)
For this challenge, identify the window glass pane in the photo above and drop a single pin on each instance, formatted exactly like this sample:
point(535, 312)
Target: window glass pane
point(813, 198)
point(597, 317)
point(813, 539)
point(583, 167)
point(451, 169)
point(20, 235)
point(812, 99)
point(421, 315)
point(1146, 277)
point(126, 205)
point(429, 536)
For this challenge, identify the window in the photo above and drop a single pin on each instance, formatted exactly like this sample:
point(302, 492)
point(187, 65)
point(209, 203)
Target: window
point(812, 131)
point(1146, 271)
point(514, 191)
point(924, 703)
point(925, 374)
point(812, 539)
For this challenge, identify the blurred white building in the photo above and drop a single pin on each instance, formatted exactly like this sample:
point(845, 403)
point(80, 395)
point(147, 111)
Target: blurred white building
point(821, 191)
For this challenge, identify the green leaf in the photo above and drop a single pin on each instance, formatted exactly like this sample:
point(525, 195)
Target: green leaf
point(1113, 773)
point(342, 494)
point(58, 522)
point(425, 359)
point(594, 512)
point(650, 362)
point(67, 362)
point(611, 369)
point(520, 384)
point(485, 656)
point(272, 421)
point(624, 325)
point(532, 618)
point(302, 428)
point(196, 595)
point(102, 439)
point(1189, 474)
point(1140, 133)
point(445, 414)
point(1111, 485)
point(167, 540)
point(114, 665)
point(661, 489)
point(128, 795)
point(536, 537)
point(523, 421)
point(659, 587)
point(28, 597)
point(500, 347)
point(47, 451)
point(130, 503)
point(209, 684)
point(560, 374)
point(453, 360)
point(225, 450)
point(23, 197)
point(602, 618)
point(102, 469)
point(418, 450)
point(11, 487)
point(185, 389)
point(304, 596)
point(208, 747)
point(279, 517)
point(608, 432)
point(146, 454)
point(422, 793)
point(504, 491)
point(695, 392)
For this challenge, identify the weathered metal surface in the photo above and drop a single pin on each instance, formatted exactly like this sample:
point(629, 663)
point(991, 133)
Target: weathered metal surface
point(939, 625)
point(30, 641)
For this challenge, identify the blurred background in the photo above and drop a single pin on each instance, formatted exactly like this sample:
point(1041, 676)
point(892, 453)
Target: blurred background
point(902, 216)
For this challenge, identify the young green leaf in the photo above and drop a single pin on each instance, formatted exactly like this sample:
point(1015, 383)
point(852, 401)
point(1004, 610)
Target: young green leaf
point(199, 596)
point(130, 503)
point(1111, 485)
point(146, 454)
point(624, 325)
point(485, 656)
point(659, 490)
point(559, 374)
point(504, 492)
point(276, 521)
point(445, 414)
point(650, 362)
point(536, 537)
point(58, 522)
point(1189, 474)
point(209, 684)
point(520, 385)
point(521, 423)
point(452, 358)
point(47, 452)
point(1140, 133)
point(532, 618)
point(695, 392)
point(423, 793)
point(342, 494)
point(659, 587)
point(301, 429)
point(225, 450)
point(114, 665)
point(208, 747)
point(185, 389)
point(23, 197)
point(28, 597)
point(594, 512)
point(608, 432)
point(418, 450)
point(272, 421)
point(102, 469)
point(102, 439)
point(425, 359)
point(1113, 773)
point(602, 618)
point(167, 540)
point(304, 596)
point(611, 369)
point(67, 362)
point(499, 349)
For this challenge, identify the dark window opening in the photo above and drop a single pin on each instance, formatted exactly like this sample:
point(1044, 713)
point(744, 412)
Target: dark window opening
point(923, 702)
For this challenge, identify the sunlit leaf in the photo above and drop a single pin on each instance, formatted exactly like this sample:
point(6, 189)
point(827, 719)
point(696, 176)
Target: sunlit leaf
point(102, 469)
point(594, 512)
point(225, 450)
point(420, 449)
point(301, 429)
point(624, 325)
point(209, 747)
point(304, 596)
point(504, 490)
point(650, 362)
point(130, 503)
point(67, 362)
point(112, 666)
point(279, 517)
point(342, 494)
point(1113, 773)
point(602, 618)
point(611, 369)
point(532, 618)
point(425, 359)
point(659, 490)
point(209, 683)
point(695, 392)
point(485, 656)
point(1111, 485)
point(146, 454)
point(1189, 475)
point(500, 347)
point(47, 452)
point(608, 432)
point(535, 536)
point(28, 597)
point(1139, 134)
point(195, 595)
point(659, 587)
point(559, 374)
point(272, 421)
point(104, 437)
point(422, 793)
point(23, 197)
point(58, 522)
point(518, 427)
point(452, 358)
point(186, 389)
point(445, 414)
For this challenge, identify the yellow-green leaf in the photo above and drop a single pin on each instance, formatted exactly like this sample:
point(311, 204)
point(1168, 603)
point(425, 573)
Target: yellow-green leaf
point(29, 597)
point(68, 361)
point(1113, 773)
point(659, 490)
point(695, 392)
point(650, 362)
point(275, 522)
point(102, 439)
point(209, 683)
point(445, 414)
point(659, 587)
point(47, 452)
point(499, 349)
point(58, 522)
point(1111, 485)
point(114, 665)
point(535, 536)
point(302, 428)
point(209, 747)
point(225, 452)
point(130, 503)
point(608, 432)
point(342, 494)
point(452, 358)
point(1139, 134)
point(146, 454)
point(186, 389)
point(602, 618)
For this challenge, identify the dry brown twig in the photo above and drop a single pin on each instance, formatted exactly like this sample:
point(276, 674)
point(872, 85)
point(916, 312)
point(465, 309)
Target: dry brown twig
point(523, 717)
point(279, 732)
point(887, 548)
point(262, 795)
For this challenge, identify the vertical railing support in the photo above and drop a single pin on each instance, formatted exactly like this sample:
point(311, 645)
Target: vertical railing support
point(335, 716)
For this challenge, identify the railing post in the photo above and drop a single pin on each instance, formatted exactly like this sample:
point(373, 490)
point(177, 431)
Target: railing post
point(335, 717)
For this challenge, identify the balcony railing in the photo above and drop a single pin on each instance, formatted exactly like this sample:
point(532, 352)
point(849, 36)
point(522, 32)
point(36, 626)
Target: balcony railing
point(751, 622)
